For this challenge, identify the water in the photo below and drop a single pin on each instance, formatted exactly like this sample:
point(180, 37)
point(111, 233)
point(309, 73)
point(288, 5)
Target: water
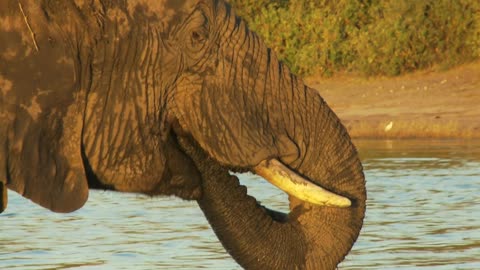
point(423, 213)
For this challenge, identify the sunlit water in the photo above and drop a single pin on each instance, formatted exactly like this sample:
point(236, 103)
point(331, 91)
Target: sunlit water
point(423, 213)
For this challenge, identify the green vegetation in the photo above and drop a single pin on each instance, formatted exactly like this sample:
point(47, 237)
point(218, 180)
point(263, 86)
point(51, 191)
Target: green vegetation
point(371, 37)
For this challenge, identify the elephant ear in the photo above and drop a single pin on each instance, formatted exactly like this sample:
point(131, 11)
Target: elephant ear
point(41, 110)
point(3, 161)
point(44, 158)
point(44, 161)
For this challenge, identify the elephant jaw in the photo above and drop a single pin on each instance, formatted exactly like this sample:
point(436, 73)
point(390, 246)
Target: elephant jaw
point(293, 184)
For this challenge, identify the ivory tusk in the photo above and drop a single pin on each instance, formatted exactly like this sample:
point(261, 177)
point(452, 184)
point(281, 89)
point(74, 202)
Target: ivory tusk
point(285, 179)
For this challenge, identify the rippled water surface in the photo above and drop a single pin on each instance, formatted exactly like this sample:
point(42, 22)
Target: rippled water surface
point(423, 213)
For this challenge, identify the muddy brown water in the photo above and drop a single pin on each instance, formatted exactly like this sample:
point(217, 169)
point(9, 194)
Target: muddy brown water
point(423, 213)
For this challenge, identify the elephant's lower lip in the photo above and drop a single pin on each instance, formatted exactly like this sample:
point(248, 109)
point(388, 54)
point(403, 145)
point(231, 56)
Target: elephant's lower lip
point(285, 179)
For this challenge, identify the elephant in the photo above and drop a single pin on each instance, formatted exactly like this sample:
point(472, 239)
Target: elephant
point(173, 97)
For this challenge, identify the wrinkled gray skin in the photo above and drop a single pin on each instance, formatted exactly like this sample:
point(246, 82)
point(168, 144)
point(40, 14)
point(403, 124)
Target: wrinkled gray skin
point(165, 97)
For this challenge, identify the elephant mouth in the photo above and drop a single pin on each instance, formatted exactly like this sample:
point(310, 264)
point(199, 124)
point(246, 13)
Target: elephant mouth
point(297, 186)
point(275, 172)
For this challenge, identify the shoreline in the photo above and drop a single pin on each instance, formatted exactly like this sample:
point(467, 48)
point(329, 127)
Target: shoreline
point(423, 105)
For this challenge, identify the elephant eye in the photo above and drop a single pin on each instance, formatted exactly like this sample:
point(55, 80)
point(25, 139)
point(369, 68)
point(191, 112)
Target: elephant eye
point(198, 37)
point(199, 29)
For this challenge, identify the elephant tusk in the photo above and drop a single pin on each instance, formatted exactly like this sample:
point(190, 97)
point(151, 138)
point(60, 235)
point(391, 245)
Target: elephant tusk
point(285, 179)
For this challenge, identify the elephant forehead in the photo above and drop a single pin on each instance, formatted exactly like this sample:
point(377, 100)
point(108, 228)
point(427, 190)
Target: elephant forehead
point(165, 10)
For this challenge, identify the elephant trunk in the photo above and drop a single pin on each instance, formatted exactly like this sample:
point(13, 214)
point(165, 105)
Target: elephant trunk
point(264, 112)
point(247, 231)
point(309, 237)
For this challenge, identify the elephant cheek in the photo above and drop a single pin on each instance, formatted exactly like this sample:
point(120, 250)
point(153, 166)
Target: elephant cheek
point(180, 178)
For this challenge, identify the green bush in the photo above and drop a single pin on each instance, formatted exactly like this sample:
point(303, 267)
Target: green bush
point(372, 37)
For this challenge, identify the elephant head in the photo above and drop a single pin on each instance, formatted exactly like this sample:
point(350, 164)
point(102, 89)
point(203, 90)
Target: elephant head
point(168, 97)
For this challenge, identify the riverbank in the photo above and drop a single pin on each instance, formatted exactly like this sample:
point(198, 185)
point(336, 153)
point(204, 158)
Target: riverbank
point(426, 104)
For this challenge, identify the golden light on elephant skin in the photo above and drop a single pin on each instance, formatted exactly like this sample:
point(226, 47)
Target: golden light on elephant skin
point(285, 179)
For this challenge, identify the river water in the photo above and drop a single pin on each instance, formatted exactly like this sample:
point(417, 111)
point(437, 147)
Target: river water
point(423, 213)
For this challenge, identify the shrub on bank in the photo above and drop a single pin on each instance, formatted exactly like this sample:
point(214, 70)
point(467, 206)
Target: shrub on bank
point(372, 37)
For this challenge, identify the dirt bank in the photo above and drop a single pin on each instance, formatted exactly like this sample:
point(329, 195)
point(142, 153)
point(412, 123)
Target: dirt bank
point(427, 104)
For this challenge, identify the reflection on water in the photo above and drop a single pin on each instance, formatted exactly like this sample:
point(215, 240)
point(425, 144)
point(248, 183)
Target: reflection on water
point(423, 213)
point(423, 206)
